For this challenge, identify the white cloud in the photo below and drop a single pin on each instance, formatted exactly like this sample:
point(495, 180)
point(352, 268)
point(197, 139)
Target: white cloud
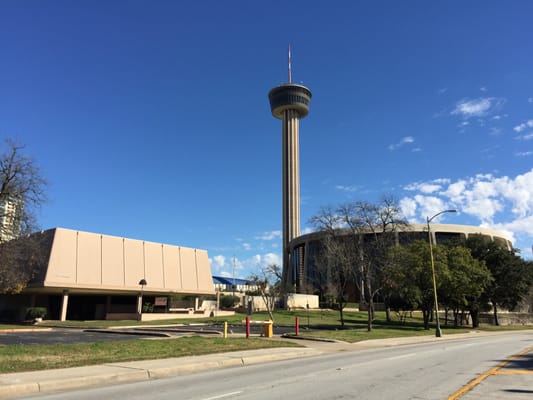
point(429, 205)
point(427, 187)
point(524, 125)
point(271, 258)
point(403, 141)
point(246, 246)
point(503, 203)
point(218, 262)
point(307, 230)
point(477, 107)
point(524, 153)
point(408, 207)
point(259, 261)
point(522, 226)
point(272, 235)
point(528, 136)
point(346, 188)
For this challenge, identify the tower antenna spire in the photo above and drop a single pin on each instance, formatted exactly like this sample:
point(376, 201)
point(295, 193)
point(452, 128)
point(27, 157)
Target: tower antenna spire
point(289, 71)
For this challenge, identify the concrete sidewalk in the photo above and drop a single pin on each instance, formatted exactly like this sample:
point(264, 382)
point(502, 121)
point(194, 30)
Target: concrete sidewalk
point(26, 383)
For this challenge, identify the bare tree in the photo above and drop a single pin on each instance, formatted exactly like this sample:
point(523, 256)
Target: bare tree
point(363, 233)
point(22, 192)
point(268, 282)
point(373, 228)
point(336, 258)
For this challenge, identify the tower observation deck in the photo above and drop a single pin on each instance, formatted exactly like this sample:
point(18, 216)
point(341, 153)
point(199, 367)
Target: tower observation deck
point(290, 102)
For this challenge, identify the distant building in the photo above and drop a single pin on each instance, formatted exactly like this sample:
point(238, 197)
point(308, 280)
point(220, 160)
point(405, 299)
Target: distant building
point(306, 249)
point(10, 217)
point(228, 285)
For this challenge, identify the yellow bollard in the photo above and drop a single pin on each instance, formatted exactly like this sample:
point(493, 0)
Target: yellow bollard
point(267, 328)
point(225, 329)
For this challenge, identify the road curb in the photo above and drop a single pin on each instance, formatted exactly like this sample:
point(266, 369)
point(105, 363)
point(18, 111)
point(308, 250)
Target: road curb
point(27, 383)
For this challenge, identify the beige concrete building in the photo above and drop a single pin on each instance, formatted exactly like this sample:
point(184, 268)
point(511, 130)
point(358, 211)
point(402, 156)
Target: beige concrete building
point(305, 249)
point(92, 276)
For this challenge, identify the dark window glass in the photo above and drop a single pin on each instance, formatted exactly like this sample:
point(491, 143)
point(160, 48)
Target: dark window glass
point(447, 237)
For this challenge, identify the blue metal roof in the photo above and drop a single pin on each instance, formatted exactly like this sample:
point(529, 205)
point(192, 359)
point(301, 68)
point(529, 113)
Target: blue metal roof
point(224, 280)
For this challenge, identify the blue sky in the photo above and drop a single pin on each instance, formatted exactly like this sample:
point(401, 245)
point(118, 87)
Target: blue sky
point(151, 119)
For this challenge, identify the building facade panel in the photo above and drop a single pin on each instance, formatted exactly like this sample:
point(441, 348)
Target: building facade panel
point(89, 259)
point(62, 269)
point(134, 262)
point(172, 266)
point(153, 254)
point(205, 279)
point(190, 278)
point(113, 272)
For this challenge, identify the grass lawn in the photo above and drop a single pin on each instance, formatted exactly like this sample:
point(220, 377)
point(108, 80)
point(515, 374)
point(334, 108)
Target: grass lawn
point(321, 323)
point(18, 358)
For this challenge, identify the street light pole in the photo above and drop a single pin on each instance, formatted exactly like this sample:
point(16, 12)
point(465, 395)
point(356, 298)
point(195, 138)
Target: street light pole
point(438, 332)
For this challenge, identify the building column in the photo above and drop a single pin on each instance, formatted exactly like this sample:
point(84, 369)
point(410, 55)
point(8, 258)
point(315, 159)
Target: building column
point(64, 306)
point(108, 305)
point(139, 305)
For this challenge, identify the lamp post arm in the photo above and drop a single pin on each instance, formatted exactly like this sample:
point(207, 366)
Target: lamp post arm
point(436, 215)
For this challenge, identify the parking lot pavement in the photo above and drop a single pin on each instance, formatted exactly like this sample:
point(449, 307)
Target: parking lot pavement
point(64, 336)
point(56, 335)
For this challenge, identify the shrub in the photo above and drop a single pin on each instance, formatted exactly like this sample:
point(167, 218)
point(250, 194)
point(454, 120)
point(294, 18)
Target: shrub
point(228, 301)
point(35, 312)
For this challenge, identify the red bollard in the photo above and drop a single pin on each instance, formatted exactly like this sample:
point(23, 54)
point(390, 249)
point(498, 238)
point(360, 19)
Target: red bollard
point(297, 325)
point(247, 327)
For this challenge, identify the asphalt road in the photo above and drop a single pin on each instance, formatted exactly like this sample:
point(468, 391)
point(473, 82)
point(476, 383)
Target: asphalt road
point(426, 371)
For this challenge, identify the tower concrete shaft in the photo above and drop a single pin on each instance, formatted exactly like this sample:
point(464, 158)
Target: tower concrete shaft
point(289, 103)
point(290, 176)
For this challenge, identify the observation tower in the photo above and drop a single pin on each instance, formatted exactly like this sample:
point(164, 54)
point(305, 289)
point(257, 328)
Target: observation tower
point(289, 103)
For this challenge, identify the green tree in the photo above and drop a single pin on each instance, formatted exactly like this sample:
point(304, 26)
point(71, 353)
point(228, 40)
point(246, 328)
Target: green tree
point(512, 275)
point(465, 283)
point(408, 275)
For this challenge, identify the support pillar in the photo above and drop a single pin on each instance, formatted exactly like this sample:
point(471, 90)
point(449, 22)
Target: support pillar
point(139, 305)
point(108, 305)
point(64, 306)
